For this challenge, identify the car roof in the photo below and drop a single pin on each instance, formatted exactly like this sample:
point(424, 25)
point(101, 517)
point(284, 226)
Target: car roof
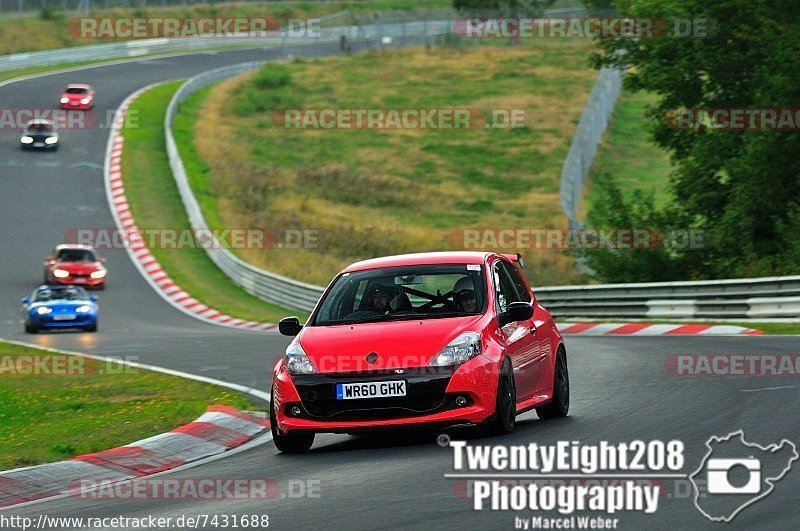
point(40, 121)
point(73, 246)
point(78, 85)
point(447, 257)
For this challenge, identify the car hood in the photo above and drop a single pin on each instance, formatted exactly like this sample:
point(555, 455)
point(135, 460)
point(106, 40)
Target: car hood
point(78, 268)
point(398, 344)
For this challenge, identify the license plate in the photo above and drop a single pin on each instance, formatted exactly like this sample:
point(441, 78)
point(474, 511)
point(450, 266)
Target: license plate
point(38, 144)
point(64, 317)
point(350, 391)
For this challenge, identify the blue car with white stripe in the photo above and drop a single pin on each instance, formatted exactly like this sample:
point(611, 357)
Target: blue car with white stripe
point(52, 307)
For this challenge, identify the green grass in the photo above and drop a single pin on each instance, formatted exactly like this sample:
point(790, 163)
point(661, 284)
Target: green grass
point(628, 154)
point(92, 407)
point(156, 204)
point(370, 193)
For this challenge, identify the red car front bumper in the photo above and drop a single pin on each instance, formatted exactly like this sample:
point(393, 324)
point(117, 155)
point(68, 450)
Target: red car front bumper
point(79, 280)
point(475, 380)
point(76, 106)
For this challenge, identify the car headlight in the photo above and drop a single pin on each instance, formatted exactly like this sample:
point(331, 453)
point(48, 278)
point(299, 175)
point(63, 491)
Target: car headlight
point(297, 361)
point(26, 139)
point(64, 100)
point(43, 310)
point(51, 140)
point(83, 309)
point(85, 101)
point(98, 274)
point(60, 273)
point(458, 350)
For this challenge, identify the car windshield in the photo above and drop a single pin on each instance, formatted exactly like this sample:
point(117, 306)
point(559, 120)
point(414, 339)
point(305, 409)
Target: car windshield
point(58, 294)
point(40, 127)
point(396, 293)
point(76, 90)
point(75, 255)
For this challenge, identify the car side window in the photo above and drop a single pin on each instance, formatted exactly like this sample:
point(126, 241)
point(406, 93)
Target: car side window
point(504, 288)
point(516, 278)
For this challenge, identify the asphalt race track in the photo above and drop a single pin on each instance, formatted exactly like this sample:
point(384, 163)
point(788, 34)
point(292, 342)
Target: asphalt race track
point(620, 388)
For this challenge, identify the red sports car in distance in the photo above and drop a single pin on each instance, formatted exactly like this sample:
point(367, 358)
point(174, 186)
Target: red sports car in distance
point(80, 97)
point(75, 264)
point(430, 339)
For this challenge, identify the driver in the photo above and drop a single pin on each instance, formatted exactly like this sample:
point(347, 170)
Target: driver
point(380, 299)
point(464, 295)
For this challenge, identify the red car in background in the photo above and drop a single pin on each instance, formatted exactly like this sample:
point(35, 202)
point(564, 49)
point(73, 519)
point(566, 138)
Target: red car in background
point(80, 97)
point(430, 339)
point(75, 264)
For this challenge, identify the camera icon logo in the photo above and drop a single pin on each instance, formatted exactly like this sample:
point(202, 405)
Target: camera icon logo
point(718, 481)
point(735, 474)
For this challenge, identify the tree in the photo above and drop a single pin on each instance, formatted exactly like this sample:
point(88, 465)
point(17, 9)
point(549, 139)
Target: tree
point(743, 185)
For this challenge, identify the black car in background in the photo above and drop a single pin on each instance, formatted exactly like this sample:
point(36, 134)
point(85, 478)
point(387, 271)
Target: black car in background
point(39, 134)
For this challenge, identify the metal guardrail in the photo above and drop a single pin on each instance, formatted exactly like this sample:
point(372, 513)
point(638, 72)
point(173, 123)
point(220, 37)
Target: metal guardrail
point(768, 297)
point(593, 122)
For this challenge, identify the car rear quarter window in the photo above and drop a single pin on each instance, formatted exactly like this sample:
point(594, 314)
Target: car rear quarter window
point(516, 278)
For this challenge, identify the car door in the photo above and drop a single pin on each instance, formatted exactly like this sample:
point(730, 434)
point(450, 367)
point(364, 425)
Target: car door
point(519, 342)
point(538, 366)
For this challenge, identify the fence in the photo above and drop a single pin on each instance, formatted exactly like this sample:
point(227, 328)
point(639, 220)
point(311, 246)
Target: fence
point(592, 124)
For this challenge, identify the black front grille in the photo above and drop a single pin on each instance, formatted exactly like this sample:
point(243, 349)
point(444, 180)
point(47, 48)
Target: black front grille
point(425, 393)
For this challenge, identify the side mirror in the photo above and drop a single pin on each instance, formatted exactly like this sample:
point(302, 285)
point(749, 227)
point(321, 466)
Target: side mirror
point(26, 300)
point(93, 298)
point(49, 259)
point(289, 326)
point(517, 311)
point(101, 260)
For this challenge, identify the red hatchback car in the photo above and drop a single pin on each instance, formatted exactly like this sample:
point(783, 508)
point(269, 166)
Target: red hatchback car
point(80, 97)
point(430, 339)
point(75, 264)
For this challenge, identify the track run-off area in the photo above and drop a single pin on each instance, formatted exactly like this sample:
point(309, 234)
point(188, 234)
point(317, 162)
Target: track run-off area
point(622, 387)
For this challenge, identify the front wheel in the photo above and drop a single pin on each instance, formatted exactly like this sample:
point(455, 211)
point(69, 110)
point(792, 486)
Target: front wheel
point(297, 443)
point(92, 327)
point(559, 406)
point(30, 329)
point(505, 413)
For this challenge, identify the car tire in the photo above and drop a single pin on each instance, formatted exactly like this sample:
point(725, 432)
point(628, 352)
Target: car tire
point(30, 329)
point(505, 412)
point(92, 328)
point(559, 406)
point(297, 443)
